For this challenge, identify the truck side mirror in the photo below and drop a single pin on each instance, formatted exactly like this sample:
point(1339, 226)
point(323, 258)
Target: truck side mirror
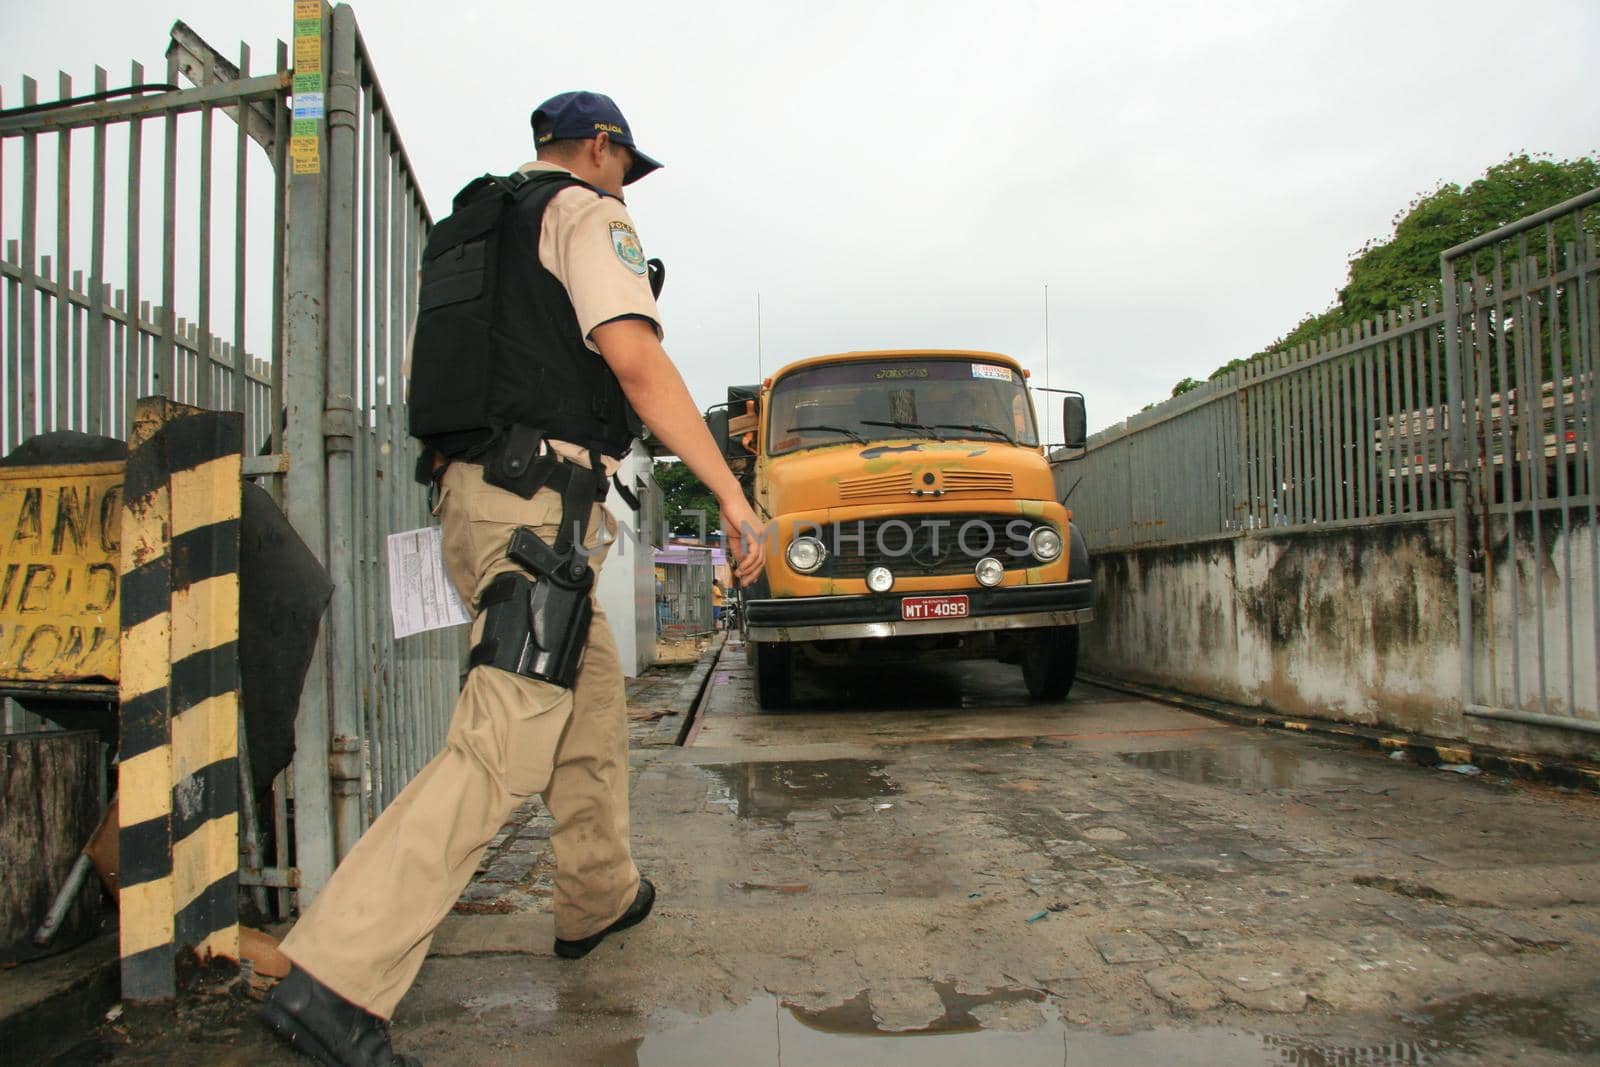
point(717, 423)
point(1074, 420)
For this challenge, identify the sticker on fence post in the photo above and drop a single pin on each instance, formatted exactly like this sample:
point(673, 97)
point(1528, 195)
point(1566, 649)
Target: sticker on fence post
point(421, 596)
point(305, 140)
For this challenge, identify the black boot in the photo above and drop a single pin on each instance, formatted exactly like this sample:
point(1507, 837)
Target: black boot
point(643, 901)
point(331, 1030)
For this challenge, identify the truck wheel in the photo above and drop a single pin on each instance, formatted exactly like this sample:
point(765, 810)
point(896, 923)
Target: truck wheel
point(1050, 662)
point(774, 670)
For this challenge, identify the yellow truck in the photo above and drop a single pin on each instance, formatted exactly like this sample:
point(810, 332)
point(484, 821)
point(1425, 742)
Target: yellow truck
point(912, 514)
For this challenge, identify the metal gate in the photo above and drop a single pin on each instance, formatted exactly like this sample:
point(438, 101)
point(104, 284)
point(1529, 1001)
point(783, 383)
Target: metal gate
point(1522, 308)
point(684, 608)
point(280, 282)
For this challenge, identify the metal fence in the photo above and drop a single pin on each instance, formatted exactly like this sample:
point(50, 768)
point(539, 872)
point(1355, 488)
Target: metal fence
point(80, 347)
point(1350, 428)
point(91, 185)
point(282, 284)
point(683, 601)
point(1524, 307)
point(1481, 405)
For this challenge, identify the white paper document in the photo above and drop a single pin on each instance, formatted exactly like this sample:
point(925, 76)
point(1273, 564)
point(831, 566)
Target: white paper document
point(421, 597)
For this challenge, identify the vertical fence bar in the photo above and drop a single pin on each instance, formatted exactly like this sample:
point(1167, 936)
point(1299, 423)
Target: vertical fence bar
point(1253, 439)
point(1436, 440)
point(241, 183)
point(131, 335)
point(1329, 445)
point(97, 397)
point(202, 384)
point(410, 725)
point(281, 169)
point(165, 355)
point(1530, 402)
point(370, 437)
point(339, 420)
point(1460, 489)
point(1589, 328)
point(29, 422)
point(65, 374)
point(1409, 408)
point(1558, 391)
point(383, 226)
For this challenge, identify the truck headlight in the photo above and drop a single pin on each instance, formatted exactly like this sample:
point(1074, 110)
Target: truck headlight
point(880, 579)
point(989, 571)
point(1045, 544)
point(805, 554)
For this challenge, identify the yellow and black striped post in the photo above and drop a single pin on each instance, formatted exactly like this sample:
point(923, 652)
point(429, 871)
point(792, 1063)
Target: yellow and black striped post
point(178, 778)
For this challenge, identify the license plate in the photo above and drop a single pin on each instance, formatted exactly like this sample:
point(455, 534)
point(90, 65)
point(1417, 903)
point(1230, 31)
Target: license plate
point(914, 608)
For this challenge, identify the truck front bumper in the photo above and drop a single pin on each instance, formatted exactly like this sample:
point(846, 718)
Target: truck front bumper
point(835, 618)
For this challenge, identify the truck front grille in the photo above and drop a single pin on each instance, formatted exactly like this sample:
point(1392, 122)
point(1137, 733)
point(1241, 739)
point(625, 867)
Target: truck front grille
point(924, 545)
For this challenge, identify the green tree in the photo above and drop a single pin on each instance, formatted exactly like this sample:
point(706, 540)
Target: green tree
point(682, 495)
point(1390, 273)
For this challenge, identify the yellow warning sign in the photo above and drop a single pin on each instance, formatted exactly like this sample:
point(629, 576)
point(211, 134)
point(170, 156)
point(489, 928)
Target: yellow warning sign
point(312, 165)
point(59, 618)
point(307, 54)
point(304, 147)
point(307, 9)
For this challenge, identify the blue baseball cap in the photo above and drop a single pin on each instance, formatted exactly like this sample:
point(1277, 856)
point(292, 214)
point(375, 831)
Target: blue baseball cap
point(582, 115)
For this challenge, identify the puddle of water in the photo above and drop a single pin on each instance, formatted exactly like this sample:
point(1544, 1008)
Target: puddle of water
point(1537, 1022)
point(766, 1031)
point(1256, 766)
point(780, 791)
point(856, 1016)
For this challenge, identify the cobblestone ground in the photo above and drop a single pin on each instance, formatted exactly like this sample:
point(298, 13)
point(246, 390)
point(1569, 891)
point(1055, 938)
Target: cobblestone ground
point(919, 868)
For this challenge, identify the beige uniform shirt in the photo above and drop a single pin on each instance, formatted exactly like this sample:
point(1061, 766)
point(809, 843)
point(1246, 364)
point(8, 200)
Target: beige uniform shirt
point(588, 242)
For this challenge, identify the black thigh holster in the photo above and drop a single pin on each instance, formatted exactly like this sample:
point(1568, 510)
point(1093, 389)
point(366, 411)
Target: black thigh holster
point(536, 623)
point(537, 626)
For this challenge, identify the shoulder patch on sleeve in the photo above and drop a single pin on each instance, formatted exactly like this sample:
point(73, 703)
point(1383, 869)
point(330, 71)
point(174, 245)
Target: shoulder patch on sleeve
point(626, 244)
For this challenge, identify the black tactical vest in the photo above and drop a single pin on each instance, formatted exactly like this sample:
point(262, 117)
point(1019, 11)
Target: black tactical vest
point(497, 340)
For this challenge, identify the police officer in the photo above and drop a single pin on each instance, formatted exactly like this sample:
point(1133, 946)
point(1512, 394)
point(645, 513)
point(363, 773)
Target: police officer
point(522, 421)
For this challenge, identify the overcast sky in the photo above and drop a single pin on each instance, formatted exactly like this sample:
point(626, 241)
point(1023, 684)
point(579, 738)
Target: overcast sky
point(1188, 179)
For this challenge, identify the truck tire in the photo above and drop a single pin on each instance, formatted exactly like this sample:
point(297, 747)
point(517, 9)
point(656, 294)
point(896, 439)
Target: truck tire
point(1050, 662)
point(774, 674)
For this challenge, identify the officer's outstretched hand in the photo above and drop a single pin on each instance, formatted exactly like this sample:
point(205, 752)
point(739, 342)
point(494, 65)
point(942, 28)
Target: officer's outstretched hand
point(746, 539)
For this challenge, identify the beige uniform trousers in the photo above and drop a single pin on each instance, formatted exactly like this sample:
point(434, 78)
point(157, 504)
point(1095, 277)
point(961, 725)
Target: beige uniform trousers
point(366, 934)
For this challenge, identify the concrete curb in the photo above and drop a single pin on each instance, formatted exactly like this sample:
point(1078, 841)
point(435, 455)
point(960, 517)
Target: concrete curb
point(670, 729)
point(1427, 751)
point(51, 1004)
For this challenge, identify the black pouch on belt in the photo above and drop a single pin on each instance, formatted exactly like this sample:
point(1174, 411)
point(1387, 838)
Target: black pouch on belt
point(514, 463)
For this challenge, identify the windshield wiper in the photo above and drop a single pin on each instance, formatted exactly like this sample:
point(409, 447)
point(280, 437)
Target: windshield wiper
point(899, 424)
point(829, 429)
point(977, 427)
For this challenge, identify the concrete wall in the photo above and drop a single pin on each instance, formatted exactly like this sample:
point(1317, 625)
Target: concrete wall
point(626, 587)
point(1352, 624)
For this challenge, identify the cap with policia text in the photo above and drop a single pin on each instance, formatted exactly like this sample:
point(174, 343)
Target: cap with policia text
point(582, 115)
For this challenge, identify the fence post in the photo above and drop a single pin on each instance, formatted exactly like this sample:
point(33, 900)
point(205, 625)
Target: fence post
point(305, 291)
point(339, 430)
point(1460, 470)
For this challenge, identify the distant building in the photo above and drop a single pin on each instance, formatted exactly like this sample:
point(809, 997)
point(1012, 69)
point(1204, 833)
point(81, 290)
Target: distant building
point(627, 585)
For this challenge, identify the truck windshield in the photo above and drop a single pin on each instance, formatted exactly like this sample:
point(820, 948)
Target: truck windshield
point(895, 399)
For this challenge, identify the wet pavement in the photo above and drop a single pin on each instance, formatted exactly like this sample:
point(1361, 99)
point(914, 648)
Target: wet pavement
point(919, 867)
